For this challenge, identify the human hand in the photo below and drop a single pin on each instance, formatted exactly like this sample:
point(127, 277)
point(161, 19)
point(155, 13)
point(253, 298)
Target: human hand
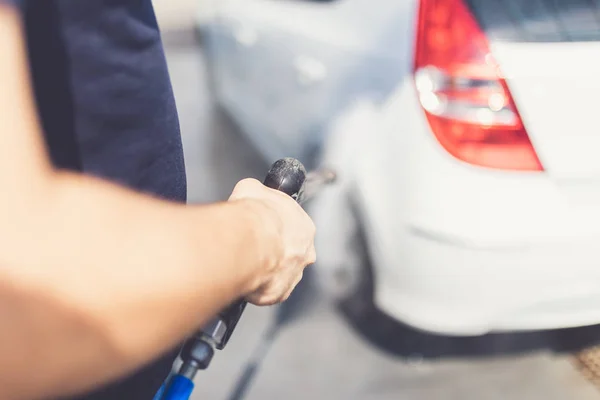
point(286, 236)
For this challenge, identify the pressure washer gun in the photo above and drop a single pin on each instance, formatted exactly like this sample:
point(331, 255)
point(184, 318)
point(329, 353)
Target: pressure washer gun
point(290, 177)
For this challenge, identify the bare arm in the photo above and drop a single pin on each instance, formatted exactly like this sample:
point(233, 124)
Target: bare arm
point(96, 280)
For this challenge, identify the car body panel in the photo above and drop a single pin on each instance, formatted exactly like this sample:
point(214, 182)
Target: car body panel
point(306, 68)
point(232, 41)
point(206, 11)
point(456, 249)
point(555, 87)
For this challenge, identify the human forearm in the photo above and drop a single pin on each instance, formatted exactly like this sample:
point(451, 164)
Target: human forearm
point(121, 275)
point(95, 279)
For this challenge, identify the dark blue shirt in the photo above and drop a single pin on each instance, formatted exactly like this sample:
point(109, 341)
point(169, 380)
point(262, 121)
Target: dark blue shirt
point(107, 108)
point(104, 93)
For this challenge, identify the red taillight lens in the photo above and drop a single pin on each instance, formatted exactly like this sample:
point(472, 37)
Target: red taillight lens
point(463, 93)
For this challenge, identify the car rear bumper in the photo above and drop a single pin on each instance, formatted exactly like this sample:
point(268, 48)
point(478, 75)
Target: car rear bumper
point(442, 285)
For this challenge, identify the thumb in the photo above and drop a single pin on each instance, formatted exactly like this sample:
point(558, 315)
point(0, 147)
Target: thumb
point(244, 188)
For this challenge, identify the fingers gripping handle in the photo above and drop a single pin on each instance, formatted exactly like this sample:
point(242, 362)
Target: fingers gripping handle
point(288, 176)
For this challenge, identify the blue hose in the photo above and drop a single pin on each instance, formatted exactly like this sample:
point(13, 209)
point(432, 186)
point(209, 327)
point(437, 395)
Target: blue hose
point(161, 392)
point(179, 388)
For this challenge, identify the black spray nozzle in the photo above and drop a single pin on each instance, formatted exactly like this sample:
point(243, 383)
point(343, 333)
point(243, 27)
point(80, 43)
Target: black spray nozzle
point(288, 176)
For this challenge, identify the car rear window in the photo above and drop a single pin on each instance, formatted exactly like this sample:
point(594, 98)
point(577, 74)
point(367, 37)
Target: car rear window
point(538, 20)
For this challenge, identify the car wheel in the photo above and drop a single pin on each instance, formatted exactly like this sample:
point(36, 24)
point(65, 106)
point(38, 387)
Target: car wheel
point(345, 274)
point(355, 282)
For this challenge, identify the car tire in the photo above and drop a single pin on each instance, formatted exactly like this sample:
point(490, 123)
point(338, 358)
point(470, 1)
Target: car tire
point(355, 298)
point(344, 269)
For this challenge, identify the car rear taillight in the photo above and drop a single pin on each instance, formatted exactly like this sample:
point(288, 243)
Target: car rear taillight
point(462, 90)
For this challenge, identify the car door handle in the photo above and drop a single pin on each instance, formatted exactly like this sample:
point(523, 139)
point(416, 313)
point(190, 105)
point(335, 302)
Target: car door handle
point(309, 70)
point(245, 35)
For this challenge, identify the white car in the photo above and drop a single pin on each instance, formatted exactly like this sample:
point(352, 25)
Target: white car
point(465, 135)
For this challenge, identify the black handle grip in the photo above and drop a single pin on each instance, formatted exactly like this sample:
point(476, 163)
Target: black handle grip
point(288, 176)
